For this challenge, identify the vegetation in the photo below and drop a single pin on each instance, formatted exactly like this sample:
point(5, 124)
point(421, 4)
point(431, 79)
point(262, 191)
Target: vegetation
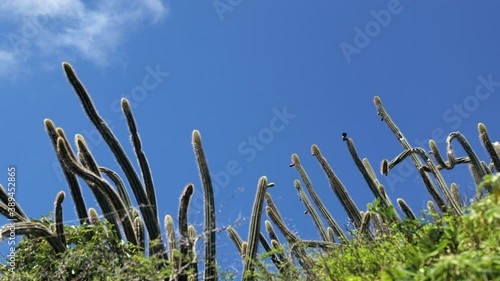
point(125, 243)
point(94, 253)
point(451, 248)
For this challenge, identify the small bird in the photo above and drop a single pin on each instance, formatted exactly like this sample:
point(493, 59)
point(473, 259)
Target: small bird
point(344, 136)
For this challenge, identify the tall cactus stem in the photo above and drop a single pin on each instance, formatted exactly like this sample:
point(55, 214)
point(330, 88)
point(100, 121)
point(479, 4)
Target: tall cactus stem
point(235, 237)
point(254, 229)
point(141, 156)
point(170, 229)
point(208, 192)
point(370, 178)
point(58, 213)
point(317, 201)
point(339, 189)
point(309, 208)
point(184, 244)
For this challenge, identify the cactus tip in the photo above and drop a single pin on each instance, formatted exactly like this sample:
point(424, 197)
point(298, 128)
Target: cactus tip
point(384, 170)
point(295, 160)
point(296, 183)
point(196, 136)
point(125, 103)
point(315, 150)
point(481, 127)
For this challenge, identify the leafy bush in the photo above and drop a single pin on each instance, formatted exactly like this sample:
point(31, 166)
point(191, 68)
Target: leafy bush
point(452, 248)
point(95, 254)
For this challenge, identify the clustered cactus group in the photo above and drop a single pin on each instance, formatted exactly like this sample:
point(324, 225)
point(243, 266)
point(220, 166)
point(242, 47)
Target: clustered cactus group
point(141, 226)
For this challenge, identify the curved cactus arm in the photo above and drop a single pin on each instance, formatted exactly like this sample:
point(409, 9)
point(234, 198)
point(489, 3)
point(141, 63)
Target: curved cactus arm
point(339, 189)
point(9, 213)
point(406, 209)
point(85, 156)
point(141, 156)
point(184, 245)
point(100, 186)
point(448, 165)
point(237, 241)
point(208, 192)
point(311, 210)
point(150, 220)
point(122, 191)
point(58, 213)
point(88, 162)
point(370, 179)
point(74, 186)
point(474, 160)
point(452, 160)
point(7, 210)
point(323, 210)
point(490, 147)
point(386, 166)
point(183, 221)
point(254, 229)
point(32, 228)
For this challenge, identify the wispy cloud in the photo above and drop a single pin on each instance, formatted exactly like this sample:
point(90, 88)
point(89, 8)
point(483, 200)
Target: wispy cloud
point(91, 30)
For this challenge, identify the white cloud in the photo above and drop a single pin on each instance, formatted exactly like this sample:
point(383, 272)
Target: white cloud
point(7, 61)
point(92, 30)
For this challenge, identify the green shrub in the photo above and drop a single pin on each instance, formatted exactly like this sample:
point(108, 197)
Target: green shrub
point(95, 254)
point(453, 248)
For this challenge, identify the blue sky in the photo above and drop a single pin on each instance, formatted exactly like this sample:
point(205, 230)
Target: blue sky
point(287, 74)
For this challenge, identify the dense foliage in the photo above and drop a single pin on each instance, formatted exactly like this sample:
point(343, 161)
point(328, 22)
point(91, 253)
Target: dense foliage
point(451, 248)
point(95, 254)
